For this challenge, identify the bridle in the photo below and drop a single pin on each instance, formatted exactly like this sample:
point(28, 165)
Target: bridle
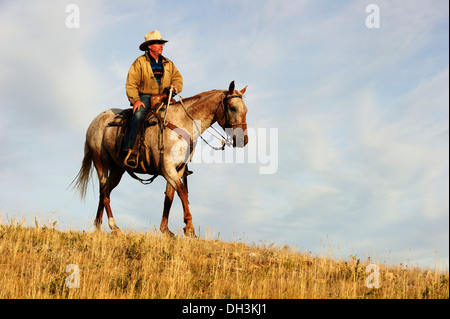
point(226, 109)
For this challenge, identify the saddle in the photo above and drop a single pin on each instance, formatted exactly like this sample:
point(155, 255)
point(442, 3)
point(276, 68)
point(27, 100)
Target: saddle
point(140, 149)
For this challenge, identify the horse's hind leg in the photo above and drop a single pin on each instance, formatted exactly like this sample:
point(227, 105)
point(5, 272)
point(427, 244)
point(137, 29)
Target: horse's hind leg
point(107, 183)
point(115, 174)
point(102, 182)
point(99, 216)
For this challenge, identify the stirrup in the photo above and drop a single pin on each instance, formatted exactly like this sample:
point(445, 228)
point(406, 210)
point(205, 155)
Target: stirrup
point(187, 173)
point(125, 161)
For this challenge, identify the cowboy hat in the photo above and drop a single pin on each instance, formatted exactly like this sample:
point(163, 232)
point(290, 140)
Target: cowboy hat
point(153, 36)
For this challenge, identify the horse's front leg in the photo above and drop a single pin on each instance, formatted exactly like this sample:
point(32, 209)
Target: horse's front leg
point(174, 184)
point(189, 229)
point(164, 227)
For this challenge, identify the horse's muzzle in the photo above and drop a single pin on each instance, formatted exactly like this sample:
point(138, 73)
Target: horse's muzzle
point(240, 137)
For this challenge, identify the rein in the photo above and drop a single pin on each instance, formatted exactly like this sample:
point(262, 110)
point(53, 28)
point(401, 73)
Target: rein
point(226, 141)
point(177, 130)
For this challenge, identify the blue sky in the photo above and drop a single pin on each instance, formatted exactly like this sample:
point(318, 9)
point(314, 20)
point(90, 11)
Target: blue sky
point(360, 115)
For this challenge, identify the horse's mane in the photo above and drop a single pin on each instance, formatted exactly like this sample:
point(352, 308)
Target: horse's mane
point(193, 100)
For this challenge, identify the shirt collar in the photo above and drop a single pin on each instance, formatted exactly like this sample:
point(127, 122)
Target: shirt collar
point(161, 59)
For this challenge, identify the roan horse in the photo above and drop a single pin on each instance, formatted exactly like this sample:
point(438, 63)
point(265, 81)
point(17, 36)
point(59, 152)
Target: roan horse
point(226, 107)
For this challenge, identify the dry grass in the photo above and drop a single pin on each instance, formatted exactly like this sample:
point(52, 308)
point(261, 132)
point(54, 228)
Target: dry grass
point(33, 261)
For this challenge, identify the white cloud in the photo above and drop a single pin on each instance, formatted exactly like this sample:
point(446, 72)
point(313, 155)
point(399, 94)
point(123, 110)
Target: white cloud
point(46, 74)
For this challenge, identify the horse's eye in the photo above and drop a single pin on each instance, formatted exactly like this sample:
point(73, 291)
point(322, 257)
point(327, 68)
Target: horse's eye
point(232, 109)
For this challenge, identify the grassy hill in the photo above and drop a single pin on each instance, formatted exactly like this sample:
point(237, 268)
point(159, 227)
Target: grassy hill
point(34, 260)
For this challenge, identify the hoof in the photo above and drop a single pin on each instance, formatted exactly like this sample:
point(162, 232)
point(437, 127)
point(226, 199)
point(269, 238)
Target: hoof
point(168, 233)
point(188, 232)
point(98, 225)
point(116, 232)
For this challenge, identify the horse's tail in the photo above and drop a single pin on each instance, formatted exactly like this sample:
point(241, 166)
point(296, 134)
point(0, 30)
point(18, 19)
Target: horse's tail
point(82, 179)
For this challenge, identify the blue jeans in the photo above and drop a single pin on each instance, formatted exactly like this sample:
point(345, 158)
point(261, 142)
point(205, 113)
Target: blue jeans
point(135, 123)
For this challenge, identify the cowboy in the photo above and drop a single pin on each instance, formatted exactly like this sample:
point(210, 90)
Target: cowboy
point(150, 74)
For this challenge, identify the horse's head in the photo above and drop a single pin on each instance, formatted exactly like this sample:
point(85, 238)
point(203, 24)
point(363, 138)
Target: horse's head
point(232, 116)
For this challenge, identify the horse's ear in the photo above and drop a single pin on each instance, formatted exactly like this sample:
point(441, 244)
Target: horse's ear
point(231, 88)
point(243, 90)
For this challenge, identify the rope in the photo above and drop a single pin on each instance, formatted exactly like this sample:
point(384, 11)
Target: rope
point(224, 140)
point(168, 104)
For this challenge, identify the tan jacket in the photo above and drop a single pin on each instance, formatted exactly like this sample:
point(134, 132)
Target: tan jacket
point(140, 78)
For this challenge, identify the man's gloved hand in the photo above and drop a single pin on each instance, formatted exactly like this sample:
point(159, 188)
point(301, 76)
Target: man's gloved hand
point(174, 91)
